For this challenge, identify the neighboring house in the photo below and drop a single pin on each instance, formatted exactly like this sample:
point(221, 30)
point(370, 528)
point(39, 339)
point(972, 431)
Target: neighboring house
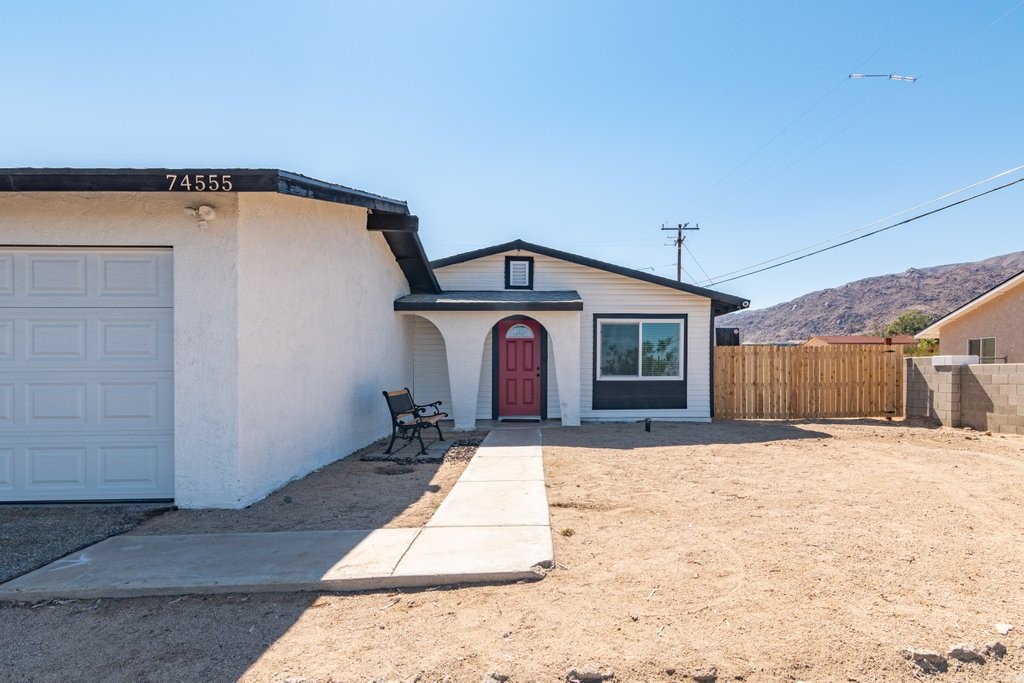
point(206, 335)
point(146, 353)
point(578, 339)
point(898, 340)
point(991, 326)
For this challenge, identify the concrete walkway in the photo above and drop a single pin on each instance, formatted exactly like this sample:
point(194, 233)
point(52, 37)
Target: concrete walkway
point(493, 526)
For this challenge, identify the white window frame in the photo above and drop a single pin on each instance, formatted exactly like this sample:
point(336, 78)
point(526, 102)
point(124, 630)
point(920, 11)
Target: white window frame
point(981, 345)
point(640, 359)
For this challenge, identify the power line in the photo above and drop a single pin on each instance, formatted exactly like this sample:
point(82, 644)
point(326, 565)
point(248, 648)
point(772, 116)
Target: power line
point(698, 262)
point(875, 222)
point(717, 209)
point(792, 149)
point(799, 116)
point(875, 232)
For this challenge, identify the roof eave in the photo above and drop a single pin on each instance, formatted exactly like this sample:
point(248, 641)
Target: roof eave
point(934, 331)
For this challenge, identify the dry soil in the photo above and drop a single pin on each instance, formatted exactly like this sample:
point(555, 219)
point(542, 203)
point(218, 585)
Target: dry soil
point(810, 551)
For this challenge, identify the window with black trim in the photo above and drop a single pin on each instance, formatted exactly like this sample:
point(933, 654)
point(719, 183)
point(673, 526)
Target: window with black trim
point(518, 272)
point(640, 349)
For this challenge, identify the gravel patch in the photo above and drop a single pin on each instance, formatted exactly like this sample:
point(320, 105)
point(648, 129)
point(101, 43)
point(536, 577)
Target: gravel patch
point(35, 535)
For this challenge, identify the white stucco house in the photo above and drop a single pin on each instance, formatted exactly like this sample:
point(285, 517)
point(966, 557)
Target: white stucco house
point(204, 336)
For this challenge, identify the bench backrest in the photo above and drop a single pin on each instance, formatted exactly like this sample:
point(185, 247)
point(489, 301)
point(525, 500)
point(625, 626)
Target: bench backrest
point(399, 402)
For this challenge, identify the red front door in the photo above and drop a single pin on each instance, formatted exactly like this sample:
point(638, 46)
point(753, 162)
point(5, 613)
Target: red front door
point(519, 368)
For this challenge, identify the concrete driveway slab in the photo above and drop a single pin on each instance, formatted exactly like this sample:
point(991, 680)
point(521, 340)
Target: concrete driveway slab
point(504, 553)
point(493, 503)
point(512, 468)
point(215, 563)
point(509, 452)
point(513, 437)
point(493, 526)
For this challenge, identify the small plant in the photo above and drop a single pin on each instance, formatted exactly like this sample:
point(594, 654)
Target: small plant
point(567, 532)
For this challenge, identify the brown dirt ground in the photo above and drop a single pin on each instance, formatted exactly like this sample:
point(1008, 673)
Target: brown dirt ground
point(347, 494)
point(785, 551)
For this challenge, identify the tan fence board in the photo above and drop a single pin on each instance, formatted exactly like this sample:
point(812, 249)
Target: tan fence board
point(789, 382)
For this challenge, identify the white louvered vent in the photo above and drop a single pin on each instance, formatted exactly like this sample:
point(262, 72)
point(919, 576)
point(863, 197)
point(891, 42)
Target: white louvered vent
point(518, 273)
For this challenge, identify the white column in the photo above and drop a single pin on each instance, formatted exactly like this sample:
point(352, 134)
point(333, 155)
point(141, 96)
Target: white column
point(563, 329)
point(464, 336)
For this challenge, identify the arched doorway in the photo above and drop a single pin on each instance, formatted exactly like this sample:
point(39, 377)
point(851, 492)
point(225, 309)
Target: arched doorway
point(519, 369)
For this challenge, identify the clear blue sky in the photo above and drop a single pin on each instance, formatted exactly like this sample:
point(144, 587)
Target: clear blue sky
point(579, 125)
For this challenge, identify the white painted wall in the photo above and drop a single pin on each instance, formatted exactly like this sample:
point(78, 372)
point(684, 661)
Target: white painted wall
point(431, 371)
point(605, 292)
point(466, 334)
point(318, 336)
point(284, 328)
point(206, 453)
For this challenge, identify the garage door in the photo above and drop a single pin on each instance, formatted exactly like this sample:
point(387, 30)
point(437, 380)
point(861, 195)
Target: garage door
point(86, 374)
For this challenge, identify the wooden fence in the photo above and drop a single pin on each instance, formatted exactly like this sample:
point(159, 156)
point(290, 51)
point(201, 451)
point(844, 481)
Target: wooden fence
point(789, 382)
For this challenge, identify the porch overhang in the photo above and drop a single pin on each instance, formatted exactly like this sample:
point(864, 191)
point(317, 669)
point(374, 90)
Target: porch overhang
point(500, 300)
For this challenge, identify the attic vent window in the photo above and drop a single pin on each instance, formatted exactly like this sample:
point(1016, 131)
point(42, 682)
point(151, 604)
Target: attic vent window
point(518, 272)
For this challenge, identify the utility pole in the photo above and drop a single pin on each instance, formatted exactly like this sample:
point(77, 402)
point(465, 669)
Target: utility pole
point(679, 245)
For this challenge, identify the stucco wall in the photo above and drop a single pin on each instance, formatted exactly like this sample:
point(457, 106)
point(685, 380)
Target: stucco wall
point(605, 292)
point(1002, 318)
point(207, 469)
point(318, 336)
point(431, 371)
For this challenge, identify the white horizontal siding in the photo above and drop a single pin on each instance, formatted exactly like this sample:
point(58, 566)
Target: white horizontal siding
point(554, 407)
point(483, 399)
point(605, 292)
point(430, 366)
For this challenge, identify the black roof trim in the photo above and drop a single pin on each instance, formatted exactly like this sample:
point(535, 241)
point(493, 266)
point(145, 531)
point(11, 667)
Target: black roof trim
point(158, 180)
point(491, 300)
point(412, 259)
point(392, 215)
point(721, 302)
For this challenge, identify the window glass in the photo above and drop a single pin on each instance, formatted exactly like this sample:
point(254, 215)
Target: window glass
point(660, 349)
point(519, 331)
point(620, 347)
point(988, 347)
point(973, 347)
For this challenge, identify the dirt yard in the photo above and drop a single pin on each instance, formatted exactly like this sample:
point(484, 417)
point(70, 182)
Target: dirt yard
point(770, 551)
point(351, 493)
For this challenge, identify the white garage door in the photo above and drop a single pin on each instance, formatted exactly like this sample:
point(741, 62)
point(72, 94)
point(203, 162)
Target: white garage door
point(86, 374)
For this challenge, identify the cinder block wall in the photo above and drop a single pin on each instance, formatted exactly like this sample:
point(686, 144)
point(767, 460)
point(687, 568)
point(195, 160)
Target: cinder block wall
point(932, 391)
point(985, 397)
point(992, 397)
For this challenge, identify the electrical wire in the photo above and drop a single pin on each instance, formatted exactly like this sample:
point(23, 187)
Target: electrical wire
point(876, 222)
point(799, 116)
point(719, 209)
point(698, 262)
point(875, 232)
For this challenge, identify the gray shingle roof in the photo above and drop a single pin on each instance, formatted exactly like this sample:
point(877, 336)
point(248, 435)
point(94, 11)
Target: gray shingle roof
point(497, 300)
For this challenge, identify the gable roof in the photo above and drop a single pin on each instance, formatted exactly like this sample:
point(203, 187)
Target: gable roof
point(492, 300)
point(721, 302)
point(388, 216)
point(934, 330)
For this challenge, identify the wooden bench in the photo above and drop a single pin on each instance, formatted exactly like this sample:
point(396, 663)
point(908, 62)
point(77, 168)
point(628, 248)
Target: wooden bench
point(409, 419)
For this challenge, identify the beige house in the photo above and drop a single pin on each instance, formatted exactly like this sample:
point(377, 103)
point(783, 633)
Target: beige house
point(990, 326)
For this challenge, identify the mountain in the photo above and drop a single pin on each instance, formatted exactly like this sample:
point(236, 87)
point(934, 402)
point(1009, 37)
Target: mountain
point(863, 306)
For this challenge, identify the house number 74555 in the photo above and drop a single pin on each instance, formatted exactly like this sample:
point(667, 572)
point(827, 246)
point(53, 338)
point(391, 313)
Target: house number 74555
point(213, 182)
